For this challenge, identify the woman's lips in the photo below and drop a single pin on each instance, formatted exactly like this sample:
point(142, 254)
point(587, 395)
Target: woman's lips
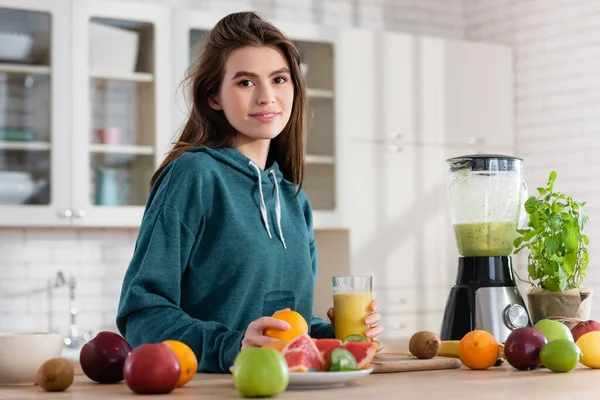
point(266, 116)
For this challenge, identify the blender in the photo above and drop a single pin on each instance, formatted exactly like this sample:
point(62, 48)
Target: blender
point(486, 194)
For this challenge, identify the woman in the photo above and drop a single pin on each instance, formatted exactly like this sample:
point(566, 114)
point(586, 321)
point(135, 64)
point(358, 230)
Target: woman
point(227, 236)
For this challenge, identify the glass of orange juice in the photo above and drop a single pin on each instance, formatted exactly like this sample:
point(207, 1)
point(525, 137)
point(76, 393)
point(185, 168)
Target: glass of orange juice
point(352, 297)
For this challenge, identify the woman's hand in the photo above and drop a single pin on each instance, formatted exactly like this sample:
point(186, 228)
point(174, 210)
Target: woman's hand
point(370, 321)
point(254, 333)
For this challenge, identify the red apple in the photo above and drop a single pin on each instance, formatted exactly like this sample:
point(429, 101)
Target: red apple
point(522, 348)
point(152, 368)
point(584, 327)
point(103, 357)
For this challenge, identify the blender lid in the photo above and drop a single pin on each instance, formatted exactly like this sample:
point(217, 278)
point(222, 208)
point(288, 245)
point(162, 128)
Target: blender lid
point(484, 162)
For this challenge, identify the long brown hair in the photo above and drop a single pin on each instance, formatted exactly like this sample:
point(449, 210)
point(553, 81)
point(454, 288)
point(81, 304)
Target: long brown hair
point(208, 127)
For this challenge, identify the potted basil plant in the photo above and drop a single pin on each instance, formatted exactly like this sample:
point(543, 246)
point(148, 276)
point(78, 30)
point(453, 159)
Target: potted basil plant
point(558, 256)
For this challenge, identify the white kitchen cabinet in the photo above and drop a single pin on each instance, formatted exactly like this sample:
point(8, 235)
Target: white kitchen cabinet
point(81, 115)
point(120, 91)
point(321, 63)
point(34, 112)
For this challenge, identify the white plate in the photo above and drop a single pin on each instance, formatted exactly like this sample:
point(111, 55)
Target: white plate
point(323, 380)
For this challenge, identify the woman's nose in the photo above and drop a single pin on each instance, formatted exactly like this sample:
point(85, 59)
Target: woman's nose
point(265, 95)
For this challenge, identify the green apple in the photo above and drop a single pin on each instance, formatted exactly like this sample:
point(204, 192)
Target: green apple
point(554, 330)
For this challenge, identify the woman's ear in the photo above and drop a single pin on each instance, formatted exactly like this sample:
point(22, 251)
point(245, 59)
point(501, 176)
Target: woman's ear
point(214, 103)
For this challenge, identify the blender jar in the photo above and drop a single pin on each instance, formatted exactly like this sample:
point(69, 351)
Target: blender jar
point(486, 195)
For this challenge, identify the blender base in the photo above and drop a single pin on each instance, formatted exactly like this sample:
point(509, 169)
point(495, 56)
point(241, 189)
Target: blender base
point(485, 297)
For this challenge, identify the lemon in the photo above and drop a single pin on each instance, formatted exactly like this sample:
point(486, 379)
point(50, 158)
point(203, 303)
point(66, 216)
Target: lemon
point(589, 344)
point(560, 355)
point(260, 372)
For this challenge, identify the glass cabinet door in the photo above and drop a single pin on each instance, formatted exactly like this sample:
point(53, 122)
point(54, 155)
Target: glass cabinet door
point(33, 177)
point(119, 66)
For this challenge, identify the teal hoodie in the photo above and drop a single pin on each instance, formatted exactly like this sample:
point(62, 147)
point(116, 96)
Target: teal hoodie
point(221, 244)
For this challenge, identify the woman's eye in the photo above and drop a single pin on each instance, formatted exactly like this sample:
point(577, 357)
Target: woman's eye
point(246, 83)
point(280, 79)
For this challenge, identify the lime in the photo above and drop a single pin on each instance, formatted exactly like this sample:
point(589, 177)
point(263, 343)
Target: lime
point(560, 355)
point(260, 372)
point(355, 338)
point(343, 360)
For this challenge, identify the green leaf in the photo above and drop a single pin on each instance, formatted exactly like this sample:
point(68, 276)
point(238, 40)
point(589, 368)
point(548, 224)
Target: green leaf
point(532, 272)
point(570, 236)
point(586, 240)
point(551, 180)
point(555, 220)
point(552, 245)
point(585, 260)
point(582, 218)
point(531, 204)
point(542, 191)
point(569, 262)
point(534, 220)
point(529, 235)
point(518, 242)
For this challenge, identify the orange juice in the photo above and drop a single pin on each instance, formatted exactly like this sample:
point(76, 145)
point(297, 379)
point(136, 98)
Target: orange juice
point(350, 312)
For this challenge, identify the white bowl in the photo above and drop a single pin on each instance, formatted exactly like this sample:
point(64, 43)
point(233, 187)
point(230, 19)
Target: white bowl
point(15, 46)
point(22, 354)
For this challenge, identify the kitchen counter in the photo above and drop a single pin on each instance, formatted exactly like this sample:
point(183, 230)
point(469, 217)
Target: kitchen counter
point(495, 383)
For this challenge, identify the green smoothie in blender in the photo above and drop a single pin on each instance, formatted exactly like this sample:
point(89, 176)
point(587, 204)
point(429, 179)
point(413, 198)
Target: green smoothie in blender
point(485, 239)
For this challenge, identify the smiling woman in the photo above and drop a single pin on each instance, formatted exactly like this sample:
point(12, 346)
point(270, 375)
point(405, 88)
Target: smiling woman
point(227, 236)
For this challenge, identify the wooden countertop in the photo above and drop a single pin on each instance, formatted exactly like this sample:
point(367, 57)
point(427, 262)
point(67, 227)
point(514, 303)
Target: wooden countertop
point(495, 383)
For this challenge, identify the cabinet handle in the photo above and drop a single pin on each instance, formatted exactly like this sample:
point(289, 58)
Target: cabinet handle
point(398, 325)
point(79, 213)
point(65, 213)
point(392, 135)
point(393, 149)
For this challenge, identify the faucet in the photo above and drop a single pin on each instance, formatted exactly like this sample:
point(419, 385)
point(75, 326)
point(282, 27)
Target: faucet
point(75, 338)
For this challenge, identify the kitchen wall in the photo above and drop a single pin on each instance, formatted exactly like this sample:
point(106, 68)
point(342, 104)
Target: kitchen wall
point(97, 258)
point(557, 73)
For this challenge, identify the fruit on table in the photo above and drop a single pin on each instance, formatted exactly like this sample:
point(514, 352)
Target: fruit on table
point(560, 355)
point(522, 348)
point(278, 345)
point(297, 322)
point(342, 360)
point(302, 355)
point(479, 350)
point(188, 362)
point(326, 347)
point(102, 358)
point(362, 352)
point(259, 372)
point(589, 344)
point(355, 338)
point(55, 375)
point(424, 344)
point(553, 330)
point(584, 327)
point(152, 368)
point(449, 348)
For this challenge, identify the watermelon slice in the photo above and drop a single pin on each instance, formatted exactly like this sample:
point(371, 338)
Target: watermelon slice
point(302, 355)
point(326, 346)
point(362, 351)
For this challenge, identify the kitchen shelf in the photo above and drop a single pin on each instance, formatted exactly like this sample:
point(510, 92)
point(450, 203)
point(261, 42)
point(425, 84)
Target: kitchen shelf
point(25, 69)
point(121, 149)
point(319, 93)
point(131, 77)
point(32, 146)
point(317, 159)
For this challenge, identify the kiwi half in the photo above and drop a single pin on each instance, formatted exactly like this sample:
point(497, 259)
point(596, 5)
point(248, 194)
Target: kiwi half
point(424, 345)
point(55, 375)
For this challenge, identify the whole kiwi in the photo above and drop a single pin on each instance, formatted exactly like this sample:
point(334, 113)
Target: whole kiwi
point(424, 344)
point(55, 375)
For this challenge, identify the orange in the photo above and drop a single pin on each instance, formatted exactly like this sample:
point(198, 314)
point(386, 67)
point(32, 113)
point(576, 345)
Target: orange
point(297, 322)
point(187, 360)
point(277, 345)
point(478, 350)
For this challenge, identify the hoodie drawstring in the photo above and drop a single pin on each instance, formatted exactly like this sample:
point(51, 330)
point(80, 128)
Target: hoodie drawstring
point(278, 209)
point(263, 208)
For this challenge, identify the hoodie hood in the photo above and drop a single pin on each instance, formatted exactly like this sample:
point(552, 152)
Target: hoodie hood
point(271, 176)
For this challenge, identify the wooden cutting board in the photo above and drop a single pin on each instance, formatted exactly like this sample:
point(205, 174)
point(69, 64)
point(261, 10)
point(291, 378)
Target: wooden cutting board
point(395, 362)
